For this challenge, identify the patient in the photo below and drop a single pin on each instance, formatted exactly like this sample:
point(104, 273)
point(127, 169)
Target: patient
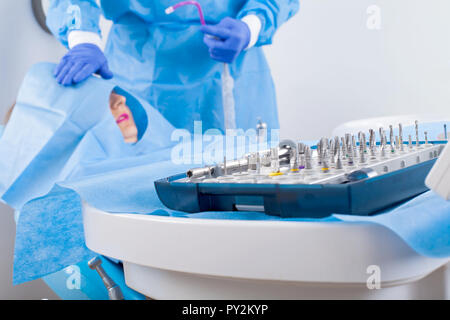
point(121, 113)
point(124, 118)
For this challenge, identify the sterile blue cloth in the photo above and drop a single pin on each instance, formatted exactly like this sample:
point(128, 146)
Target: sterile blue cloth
point(49, 236)
point(162, 58)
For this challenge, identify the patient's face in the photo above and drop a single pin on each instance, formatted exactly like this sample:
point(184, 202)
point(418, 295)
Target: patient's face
point(124, 118)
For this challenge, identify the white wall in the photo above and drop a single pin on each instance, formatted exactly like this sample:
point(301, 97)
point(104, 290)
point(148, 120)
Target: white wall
point(330, 68)
point(22, 44)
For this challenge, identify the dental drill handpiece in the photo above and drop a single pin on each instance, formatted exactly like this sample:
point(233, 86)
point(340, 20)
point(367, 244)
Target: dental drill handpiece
point(114, 291)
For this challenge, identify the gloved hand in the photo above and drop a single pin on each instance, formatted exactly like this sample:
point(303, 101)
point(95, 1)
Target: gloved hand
point(227, 39)
point(80, 63)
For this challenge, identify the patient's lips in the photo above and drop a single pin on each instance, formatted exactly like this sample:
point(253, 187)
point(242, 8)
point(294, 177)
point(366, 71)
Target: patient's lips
point(123, 117)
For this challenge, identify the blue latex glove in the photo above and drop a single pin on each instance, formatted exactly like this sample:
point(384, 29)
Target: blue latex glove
point(80, 63)
point(227, 39)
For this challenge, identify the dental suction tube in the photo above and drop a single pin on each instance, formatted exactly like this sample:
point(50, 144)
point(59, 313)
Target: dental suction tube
point(171, 9)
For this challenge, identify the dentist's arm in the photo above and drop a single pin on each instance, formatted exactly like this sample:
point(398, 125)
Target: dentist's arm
point(76, 25)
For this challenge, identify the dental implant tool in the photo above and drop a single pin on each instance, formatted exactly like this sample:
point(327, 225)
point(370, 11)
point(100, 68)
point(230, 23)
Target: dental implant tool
point(400, 136)
point(391, 138)
point(308, 158)
point(417, 134)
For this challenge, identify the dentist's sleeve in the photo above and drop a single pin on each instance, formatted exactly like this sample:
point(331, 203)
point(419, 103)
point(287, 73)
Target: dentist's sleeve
point(74, 21)
point(272, 13)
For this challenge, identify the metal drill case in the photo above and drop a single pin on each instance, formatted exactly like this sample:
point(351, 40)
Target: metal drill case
point(353, 194)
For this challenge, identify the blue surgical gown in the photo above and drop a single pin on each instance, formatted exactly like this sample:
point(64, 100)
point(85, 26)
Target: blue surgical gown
point(162, 58)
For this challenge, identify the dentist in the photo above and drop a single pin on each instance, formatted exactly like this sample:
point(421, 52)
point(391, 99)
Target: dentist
point(172, 61)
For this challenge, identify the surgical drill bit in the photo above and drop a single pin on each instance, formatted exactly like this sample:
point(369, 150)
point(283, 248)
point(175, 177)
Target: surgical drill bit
point(348, 141)
point(381, 132)
point(354, 149)
point(410, 145)
point(325, 163)
point(372, 144)
point(339, 164)
point(332, 152)
point(319, 154)
point(275, 160)
point(308, 162)
point(417, 134)
point(350, 160)
point(114, 291)
point(426, 137)
point(383, 151)
point(391, 138)
point(225, 170)
point(344, 151)
point(337, 143)
point(400, 136)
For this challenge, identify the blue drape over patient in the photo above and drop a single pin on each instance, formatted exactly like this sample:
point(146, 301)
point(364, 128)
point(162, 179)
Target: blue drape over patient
point(69, 136)
point(54, 129)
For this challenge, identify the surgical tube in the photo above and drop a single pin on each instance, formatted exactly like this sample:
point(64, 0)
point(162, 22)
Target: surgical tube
point(171, 9)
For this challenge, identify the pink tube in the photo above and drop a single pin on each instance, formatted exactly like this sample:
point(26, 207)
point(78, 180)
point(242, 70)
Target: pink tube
point(194, 3)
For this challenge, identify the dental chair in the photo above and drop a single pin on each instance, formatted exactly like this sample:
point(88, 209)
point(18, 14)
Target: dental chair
point(179, 258)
